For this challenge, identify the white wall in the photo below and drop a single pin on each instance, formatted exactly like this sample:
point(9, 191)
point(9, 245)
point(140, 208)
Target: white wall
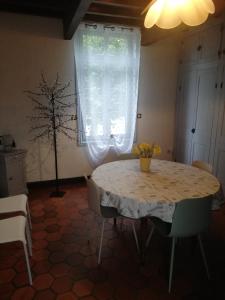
point(157, 94)
point(31, 45)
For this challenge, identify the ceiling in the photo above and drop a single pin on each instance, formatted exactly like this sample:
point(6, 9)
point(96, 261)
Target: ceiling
point(72, 12)
point(125, 12)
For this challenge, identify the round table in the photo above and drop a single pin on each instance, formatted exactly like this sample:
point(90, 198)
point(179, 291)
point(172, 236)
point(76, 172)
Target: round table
point(137, 194)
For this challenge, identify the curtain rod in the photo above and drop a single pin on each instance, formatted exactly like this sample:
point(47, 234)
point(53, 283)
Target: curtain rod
point(109, 27)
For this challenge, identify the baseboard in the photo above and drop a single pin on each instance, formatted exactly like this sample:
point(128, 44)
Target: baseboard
point(49, 183)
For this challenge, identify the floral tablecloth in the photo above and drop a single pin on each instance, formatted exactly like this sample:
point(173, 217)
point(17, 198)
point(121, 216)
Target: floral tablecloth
point(136, 194)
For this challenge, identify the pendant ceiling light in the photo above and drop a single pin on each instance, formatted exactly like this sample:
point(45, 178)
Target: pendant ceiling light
point(170, 13)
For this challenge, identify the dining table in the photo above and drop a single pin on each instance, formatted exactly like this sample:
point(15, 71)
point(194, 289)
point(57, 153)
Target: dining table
point(136, 194)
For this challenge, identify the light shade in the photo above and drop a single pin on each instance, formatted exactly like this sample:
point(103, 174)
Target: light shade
point(170, 13)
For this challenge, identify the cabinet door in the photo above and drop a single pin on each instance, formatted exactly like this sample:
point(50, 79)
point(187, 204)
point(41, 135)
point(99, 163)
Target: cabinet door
point(15, 175)
point(202, 46)
point(210, 44)
point(190, 50)
point(206, 103)
point(186, 108)
point(219, 157)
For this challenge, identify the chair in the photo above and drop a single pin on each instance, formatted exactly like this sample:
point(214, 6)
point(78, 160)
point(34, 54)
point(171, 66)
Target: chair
point(14, 229)
point(15, 204)
point(219, 198)
point(102, 211)
point(125, 156)
point(191, 217)
point(202, 165)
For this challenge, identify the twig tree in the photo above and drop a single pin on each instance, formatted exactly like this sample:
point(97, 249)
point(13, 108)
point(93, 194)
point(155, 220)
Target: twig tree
point(52, 115)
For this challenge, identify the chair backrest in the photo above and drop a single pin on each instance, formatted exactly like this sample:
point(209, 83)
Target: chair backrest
point(202, 165)
point(93, 196)
point(125, 156)
point(191, 217)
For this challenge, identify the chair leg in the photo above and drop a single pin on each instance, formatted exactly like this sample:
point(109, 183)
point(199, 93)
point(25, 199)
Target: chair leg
point(171, 262)
point(135, 237)
point(101, 239)
point(203, 256)
point(28, 263)
point(149, 236)
point(28, 236)
point(28, 216)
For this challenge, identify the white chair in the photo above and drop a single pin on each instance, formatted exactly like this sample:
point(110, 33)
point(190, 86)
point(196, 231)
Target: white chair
point(15, 204)
point(102, 211)
point(191, 218)
point(202, 165)
point(14, 229)
point(219, 198)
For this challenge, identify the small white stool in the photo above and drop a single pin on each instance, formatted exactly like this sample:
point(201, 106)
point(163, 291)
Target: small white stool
point(14, 229)
point(14, 204)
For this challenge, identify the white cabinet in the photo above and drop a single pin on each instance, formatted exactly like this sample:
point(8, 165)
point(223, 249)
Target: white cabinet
point(202, 46)
point(219, 154)
point(196, 109)
point(203, 133)
point(186, 107)
point(12, 173)
point(201, 100)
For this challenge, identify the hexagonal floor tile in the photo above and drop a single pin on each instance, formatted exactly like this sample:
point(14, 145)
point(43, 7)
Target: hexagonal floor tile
point(83, 287)
point(7, 275)
point(43, 281)
point(23, 293)
point(103, 291)
point(41, 267)
point(47, 294)
point(62, 284)
point(60, 270)
point(67, 296)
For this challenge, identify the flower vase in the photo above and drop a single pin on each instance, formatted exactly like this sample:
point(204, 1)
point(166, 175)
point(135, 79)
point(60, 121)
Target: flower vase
point(145, 163)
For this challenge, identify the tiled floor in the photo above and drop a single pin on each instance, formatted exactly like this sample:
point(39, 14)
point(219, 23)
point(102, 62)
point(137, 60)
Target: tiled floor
point(64, 264)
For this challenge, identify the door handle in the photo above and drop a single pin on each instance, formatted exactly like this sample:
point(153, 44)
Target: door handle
point(193, 130)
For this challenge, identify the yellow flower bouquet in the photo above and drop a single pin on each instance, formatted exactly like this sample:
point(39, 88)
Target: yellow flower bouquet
point(145, 152)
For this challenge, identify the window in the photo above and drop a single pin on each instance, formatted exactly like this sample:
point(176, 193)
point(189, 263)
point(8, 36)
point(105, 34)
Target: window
point(107, 68)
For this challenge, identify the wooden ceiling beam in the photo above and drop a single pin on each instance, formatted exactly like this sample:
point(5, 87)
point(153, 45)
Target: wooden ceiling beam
point(220, 7)
point(111, 10)
point(72, 21)
point(35, 8)
point(112, 20)
point(123, 3)
point(113, 16)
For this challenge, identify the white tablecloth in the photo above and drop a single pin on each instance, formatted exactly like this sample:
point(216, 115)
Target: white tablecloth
point(137, 194)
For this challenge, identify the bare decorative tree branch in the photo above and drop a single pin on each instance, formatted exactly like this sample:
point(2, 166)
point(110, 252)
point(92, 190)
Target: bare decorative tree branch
point(53, 114)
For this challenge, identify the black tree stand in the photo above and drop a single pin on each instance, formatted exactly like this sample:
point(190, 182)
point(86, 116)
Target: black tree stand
point(57, 192)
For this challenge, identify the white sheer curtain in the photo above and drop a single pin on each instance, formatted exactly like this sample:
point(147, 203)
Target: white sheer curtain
point(107, 68)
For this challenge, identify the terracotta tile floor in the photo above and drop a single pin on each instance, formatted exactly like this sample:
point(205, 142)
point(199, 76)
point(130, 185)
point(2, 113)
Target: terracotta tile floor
point(64, 264)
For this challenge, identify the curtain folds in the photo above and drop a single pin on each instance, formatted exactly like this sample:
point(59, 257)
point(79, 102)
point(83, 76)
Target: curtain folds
point(107, 69)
